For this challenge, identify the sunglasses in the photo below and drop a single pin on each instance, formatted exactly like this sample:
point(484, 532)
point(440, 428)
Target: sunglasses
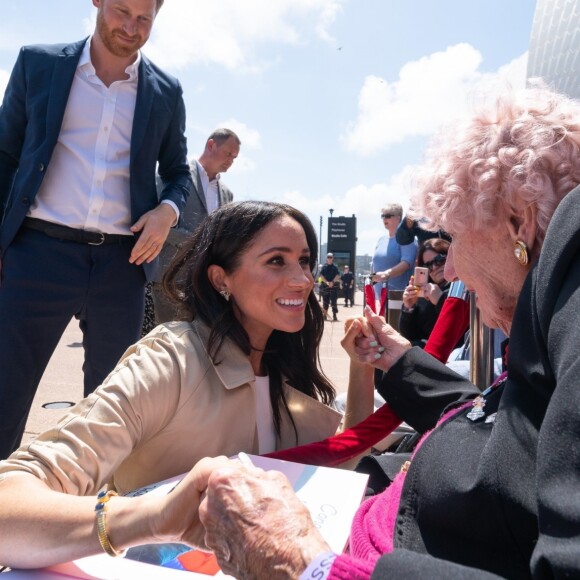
point(435, 262)
point(388, 215)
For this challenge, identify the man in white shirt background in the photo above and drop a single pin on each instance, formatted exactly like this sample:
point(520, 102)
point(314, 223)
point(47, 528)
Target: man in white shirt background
point(209, 192)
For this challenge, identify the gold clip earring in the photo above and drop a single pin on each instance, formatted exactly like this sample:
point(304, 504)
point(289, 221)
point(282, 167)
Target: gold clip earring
point(521, 252)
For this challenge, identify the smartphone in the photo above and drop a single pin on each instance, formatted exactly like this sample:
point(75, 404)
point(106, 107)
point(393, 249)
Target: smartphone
point(421, 280)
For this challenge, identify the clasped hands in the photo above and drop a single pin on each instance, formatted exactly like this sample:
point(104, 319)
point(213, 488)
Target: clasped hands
point(370, 340)
point(250, 518)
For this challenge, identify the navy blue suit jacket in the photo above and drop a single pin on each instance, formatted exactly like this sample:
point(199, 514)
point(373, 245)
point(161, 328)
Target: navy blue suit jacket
point(31, 116)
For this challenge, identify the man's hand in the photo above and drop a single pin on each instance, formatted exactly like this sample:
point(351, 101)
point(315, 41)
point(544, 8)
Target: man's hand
point(256, 525)
point(154, 227)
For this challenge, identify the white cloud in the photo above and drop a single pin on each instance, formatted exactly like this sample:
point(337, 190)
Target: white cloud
point(229, 32)
point(249, 137)
point(243, 164)
point(328, 14)
point(428, 93)
point(513, 73)
point(364, 201)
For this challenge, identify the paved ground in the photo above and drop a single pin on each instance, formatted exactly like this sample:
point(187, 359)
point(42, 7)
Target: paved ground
point(63, 378)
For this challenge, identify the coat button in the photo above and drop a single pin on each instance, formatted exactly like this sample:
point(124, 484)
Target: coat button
point(41, 167)
point(25, 200)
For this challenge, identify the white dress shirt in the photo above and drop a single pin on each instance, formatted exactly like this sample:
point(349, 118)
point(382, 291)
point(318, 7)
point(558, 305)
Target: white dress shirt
point(210, 189)
point(86, 184)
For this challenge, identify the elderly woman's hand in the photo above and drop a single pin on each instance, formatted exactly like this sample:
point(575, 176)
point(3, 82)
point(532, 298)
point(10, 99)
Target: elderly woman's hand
point(384, 348)
point(256, 525)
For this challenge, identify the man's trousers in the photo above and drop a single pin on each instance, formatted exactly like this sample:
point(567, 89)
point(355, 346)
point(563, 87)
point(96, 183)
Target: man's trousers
point(46, 281)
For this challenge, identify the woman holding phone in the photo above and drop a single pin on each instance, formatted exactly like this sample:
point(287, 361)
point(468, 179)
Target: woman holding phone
point(423, 301)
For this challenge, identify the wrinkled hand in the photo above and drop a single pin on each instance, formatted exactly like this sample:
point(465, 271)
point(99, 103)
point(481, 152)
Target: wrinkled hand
point(154, 227)
point(177, 514)
point(256, 525)
point(368, 349)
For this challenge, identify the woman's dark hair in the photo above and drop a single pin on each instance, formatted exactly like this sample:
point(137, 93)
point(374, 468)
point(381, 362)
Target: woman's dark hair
point(438, 245)
point(221, 239)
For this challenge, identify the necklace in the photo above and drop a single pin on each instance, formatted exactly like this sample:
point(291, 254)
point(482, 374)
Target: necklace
point(478, 404)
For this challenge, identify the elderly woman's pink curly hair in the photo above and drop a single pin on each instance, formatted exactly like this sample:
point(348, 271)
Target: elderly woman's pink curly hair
point(523, 150)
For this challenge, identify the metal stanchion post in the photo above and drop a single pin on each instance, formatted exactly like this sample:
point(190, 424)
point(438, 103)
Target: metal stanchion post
point(480, 350)
point(394, 305)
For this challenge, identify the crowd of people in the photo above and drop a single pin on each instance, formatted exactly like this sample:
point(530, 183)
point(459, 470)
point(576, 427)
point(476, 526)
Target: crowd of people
point(490, 490)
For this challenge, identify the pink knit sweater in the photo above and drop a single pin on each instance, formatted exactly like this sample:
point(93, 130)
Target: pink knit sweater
point(373, 527)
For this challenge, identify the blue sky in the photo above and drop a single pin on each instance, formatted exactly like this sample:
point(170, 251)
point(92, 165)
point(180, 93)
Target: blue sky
point(334, 100)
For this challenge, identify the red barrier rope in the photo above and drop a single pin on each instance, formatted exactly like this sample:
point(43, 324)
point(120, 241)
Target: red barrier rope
point(451, 325)
point(371, 300)
point(337, 449)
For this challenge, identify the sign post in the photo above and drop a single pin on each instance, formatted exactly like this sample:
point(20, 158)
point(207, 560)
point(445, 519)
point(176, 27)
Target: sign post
point(342, 242)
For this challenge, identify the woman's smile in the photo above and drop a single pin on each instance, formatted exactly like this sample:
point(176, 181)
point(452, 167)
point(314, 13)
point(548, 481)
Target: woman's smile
point(291, 302)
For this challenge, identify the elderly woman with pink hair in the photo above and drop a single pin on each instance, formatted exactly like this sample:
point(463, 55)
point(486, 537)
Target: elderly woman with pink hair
point(493, 488)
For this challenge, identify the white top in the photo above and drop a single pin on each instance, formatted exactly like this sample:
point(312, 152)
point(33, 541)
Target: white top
point(264, 416)
point(87, 180)
point(210, 188)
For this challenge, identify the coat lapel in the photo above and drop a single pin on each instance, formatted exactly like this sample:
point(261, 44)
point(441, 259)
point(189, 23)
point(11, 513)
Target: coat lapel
point(198, 185)
point(64, 72)
point(146, 89)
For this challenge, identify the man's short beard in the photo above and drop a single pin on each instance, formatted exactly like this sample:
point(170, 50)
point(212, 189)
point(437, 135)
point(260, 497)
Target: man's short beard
point(108, 39)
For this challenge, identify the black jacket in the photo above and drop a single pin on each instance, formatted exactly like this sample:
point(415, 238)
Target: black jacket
point(406, 235)
point(500, 498)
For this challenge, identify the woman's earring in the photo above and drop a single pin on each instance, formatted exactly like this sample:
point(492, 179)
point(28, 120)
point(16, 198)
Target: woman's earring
point(521, 252)
point(226, 295)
